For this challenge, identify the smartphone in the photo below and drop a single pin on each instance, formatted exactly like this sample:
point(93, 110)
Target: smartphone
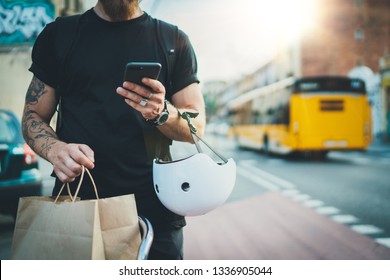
point(136, 71)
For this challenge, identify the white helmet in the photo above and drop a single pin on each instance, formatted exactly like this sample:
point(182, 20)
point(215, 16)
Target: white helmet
point(194, 185)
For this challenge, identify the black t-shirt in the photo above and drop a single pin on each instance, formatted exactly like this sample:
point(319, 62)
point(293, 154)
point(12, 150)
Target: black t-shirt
point(94, 114)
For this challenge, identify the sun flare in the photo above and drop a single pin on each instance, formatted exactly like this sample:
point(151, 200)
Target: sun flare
point(288, 19)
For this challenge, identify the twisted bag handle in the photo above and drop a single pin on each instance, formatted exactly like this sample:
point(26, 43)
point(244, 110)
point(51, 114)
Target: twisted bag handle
point(74, 197)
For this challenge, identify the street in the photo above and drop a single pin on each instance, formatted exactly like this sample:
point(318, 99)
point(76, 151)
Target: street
point(344, 200)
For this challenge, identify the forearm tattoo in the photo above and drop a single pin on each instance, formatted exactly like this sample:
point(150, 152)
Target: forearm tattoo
point(35, 91)
point(38, 134)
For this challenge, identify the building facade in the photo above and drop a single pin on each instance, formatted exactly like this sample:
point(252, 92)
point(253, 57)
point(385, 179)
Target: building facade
point(385, 86)
point(348, 38)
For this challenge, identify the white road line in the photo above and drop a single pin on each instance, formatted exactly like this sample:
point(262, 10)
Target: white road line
point(345, 219)
point(300, 197)
point(291, 192)
point(361, 160)
point(366, 229)
point(327, 210)
point(249, 164)
point(313, 203)
point(383, 241)
point(257, 179)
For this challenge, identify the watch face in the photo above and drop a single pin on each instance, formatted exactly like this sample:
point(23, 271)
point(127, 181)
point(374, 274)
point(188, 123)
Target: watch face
point(163, 118)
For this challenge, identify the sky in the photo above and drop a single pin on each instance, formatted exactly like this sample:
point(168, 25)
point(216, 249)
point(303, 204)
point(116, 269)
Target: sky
point(233, 38)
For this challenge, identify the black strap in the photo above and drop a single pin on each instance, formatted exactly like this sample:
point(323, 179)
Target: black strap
point(188, 116)
point(157, 144)
point(167, 38)
point(67, 28)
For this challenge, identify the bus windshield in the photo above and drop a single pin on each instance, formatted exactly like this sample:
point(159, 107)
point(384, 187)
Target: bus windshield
point(329, 84)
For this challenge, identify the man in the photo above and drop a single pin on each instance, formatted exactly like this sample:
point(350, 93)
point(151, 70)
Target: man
point(103, 119)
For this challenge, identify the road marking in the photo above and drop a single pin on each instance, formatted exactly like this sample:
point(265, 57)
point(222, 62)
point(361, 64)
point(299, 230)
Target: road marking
point(383, 241)
point(313, 203)
point(361, 160)
point(345, 219)
point(257, 179)
point(366, 229)
point(291, 192)
point(327, 210)
point(300, 197)
point(249, 164)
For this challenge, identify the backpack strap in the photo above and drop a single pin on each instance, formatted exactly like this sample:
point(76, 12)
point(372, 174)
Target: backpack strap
point(167, 39)
point(67, 27)
point(158, 144)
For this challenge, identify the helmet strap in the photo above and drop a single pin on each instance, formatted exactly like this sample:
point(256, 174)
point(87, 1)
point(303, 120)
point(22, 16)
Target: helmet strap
point(187, 116)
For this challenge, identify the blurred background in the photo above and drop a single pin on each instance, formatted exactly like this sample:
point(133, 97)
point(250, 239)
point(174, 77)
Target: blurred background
point(297, 92)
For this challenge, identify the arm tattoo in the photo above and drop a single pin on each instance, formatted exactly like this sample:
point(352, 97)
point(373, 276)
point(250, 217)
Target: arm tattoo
point(43, 131)
point(35, 91)
point(38, 134)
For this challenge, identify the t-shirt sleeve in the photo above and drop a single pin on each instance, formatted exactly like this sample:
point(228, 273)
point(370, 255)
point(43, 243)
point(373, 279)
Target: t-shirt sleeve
point(44, 61)
point(186, 67)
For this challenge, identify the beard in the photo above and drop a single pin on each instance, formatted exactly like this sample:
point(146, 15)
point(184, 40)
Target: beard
point(119, 10)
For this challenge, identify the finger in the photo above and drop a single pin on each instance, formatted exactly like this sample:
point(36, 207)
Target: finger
point(136, 105)
point(135, 97)
point(155, 85)
point(88, 152)
point(139, 90)
point(66, 164)
point(63, 177)
point(69, 168)
point(81, 159)
point(124, 92)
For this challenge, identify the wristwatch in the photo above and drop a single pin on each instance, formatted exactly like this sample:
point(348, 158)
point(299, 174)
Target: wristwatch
point(162, 117)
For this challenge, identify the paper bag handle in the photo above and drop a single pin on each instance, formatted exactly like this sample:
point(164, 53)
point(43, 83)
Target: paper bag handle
point(74, 197)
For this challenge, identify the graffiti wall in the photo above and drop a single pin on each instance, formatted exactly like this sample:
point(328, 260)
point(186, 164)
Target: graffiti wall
point(22, 20)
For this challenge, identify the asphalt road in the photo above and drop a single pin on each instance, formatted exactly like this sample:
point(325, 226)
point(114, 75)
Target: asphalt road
point(342, 182)
point(351, 188)
point(298, 208)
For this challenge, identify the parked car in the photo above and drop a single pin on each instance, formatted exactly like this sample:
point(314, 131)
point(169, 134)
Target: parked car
point(19, 172)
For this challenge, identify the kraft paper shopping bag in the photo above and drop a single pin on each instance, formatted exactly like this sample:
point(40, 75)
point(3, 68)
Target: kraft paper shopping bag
point(65, 227)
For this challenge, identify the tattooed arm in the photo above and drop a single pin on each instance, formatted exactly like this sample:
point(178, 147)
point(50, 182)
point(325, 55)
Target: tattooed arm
point(40, 105)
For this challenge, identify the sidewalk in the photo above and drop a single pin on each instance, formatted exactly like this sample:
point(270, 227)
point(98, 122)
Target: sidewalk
point(271, 226)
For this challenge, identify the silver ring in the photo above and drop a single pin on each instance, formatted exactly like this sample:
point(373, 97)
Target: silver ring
point(150, 95)
point(143, 102)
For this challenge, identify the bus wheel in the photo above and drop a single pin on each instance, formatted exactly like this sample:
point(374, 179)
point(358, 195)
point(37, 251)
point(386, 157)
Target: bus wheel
point(319, 155)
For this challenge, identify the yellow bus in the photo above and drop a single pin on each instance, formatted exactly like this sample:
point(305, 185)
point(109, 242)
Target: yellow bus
point(313, 115)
